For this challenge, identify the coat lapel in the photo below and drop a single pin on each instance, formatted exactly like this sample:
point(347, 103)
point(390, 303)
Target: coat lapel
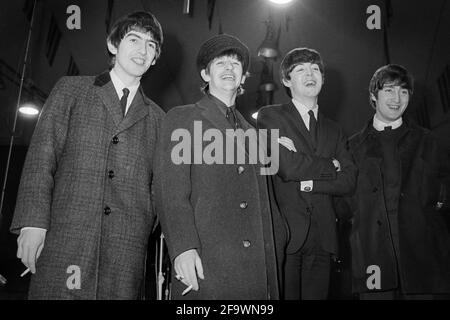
point(109, 96)
point(212, 113)
point(137, 110)
point(296, 121)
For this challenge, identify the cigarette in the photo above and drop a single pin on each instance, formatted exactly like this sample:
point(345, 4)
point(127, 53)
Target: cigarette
point(187, 290)
point(25, 272)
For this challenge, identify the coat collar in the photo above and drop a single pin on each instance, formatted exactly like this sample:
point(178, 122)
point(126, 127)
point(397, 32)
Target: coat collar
point(138, 108)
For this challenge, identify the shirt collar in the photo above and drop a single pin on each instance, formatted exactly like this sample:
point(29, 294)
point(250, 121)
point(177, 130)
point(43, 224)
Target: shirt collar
point(380, 125)
point(219, 103)
point(119, 86)
point(303, 110)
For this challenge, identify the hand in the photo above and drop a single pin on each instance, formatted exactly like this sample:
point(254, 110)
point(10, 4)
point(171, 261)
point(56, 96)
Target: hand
point(337, 165)
point(188, 265)
point(287, 143)
point(29, 247)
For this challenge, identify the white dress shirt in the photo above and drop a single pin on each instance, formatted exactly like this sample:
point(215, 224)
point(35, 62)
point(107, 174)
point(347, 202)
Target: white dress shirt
point(119, 86)
point(305, 186)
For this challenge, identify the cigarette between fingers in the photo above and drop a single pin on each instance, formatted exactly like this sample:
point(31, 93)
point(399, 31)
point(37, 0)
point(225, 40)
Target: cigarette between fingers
point(187, 290)
point(25, 272)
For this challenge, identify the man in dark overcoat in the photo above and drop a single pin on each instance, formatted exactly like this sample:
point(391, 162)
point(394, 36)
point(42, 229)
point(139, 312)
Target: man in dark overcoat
point(84, 207)
point(399, 240)
point(215, 214)
point(314, 165)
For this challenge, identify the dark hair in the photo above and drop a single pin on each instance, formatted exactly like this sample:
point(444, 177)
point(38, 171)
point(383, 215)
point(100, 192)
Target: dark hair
point(227, 53)
point(392, 74)
point(142, 21)
point(298, 56)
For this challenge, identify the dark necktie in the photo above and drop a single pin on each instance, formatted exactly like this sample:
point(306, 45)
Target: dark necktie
point(232, 118)
point(388, 128)
point(313, 127)
point(123, 100)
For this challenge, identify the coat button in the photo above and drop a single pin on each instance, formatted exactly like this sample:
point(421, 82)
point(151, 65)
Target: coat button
point(107, 210)
point(246, 243)
point(115, 140)
point(111, 174)
point(243, 204)
point(375, 189)
point(379, 222)
point(240, 169)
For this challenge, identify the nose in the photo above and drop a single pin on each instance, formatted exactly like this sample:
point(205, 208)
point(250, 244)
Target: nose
point(308, 70)
point(396, 96)
point(143, 48)
point(229, 65)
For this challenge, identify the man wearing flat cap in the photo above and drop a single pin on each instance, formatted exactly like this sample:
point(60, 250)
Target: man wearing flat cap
point(216, 216)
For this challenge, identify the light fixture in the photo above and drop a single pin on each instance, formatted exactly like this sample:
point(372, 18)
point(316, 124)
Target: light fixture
point(29, 109)
point(269, 46)
point(280, 1)
point(255, 115)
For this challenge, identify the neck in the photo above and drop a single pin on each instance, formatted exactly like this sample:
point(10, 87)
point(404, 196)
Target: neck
point(227, 98)
point(309, 102)
point(127, 79)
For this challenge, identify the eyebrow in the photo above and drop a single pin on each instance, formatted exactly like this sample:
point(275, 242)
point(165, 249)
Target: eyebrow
point(131, 33)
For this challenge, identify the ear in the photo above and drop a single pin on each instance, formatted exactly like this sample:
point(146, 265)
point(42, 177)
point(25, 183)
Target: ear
point(286, 82)
point(372, 97)
point(111, 48)
point(205, 76)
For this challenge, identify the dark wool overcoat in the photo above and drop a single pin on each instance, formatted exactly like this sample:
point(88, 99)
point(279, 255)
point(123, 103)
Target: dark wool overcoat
point(221, 210)
point(422, 262)
point(87, 179)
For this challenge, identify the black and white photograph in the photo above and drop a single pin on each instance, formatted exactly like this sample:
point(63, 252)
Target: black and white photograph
point(228, 157)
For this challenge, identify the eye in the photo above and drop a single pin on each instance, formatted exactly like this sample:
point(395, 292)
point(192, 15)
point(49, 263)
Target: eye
point(404, 92)
point(389, 90)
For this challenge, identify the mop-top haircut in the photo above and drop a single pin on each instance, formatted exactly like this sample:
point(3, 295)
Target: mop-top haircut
point(298, 56)
point(392, 74)
point(141, 21)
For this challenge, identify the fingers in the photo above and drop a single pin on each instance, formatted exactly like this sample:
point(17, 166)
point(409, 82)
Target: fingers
point(287, 143)
point(185, 268)
point(19, 246)
point(31, 258)
point(199, 268)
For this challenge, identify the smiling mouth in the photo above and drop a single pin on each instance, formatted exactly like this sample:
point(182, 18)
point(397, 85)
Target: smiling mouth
point(394, 107)
point(138, 61)
point(228, 77)
point(310, 83)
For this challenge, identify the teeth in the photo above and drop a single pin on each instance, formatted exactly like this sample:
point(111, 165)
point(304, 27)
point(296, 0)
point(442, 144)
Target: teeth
point(138, 60)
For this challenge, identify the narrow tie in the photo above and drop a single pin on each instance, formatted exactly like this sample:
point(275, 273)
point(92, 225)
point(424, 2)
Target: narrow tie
point(123, 100)
point(313, 127)
point(232, 118)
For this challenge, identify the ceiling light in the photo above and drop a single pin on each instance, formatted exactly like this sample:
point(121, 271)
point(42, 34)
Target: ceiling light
point(29, 109)
point(280, 1)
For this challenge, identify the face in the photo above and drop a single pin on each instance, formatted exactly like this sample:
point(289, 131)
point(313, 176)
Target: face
point(391, 102)
point(305, 81)
point(225, 75)
point(134, 55)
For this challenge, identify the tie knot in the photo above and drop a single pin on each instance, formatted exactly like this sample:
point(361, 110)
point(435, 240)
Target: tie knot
point(311, 114)
point(126, 92)
point(387, 128)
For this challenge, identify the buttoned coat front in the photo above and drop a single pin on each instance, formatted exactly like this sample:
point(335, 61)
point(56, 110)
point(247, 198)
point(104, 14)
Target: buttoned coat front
point(421, 258)
point(87, 180)
point(221, 210)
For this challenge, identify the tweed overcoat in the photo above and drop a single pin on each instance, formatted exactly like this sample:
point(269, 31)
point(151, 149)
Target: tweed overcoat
point(87, 180)
point(222, 210)
point(422, 263)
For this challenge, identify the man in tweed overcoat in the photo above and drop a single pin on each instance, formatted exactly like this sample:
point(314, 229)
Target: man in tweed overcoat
point(221, 232)
point(84, 210)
